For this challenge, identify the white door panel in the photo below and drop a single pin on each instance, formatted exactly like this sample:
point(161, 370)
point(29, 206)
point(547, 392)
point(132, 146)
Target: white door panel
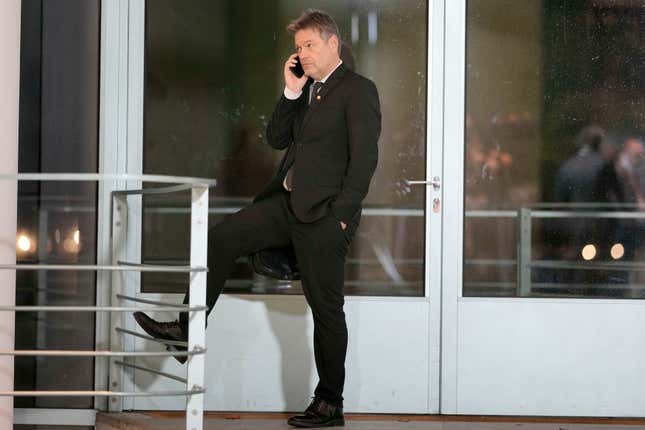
point(260, 352)
point(524, 356)
point(542, 357)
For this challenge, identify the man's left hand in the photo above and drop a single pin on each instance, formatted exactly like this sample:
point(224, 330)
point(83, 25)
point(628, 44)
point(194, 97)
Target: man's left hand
point(343, 225)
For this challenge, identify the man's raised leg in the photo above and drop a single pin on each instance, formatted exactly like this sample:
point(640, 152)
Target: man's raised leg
point(257, 226)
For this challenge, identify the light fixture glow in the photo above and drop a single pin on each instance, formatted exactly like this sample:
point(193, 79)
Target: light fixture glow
point(24, 243)
point(617, 251)
point(589, 252)
point(77, 237)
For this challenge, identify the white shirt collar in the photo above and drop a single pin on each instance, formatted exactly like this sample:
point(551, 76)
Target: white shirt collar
point(327, 77)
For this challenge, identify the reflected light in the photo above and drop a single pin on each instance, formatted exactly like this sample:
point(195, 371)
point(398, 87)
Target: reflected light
point(617, 251)
point(23, 243)
point(589, 252)
point(354, 28)
point(70, 245)
point(372, 28)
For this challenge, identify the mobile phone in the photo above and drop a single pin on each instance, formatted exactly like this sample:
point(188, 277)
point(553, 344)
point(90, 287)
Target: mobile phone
point(297, 69)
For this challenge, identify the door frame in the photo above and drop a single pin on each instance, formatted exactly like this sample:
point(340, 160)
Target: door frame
point(435, 270)
point(453, 202)
point(120, 152)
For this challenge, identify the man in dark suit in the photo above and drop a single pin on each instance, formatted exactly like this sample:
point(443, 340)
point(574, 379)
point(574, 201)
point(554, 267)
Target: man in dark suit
point(329, 122)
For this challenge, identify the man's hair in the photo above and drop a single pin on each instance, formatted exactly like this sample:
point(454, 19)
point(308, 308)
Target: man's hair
point(591, 136)
point(319, 20)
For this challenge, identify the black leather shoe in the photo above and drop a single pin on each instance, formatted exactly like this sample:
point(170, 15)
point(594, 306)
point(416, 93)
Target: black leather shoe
point(172, 330)
point(320, 413)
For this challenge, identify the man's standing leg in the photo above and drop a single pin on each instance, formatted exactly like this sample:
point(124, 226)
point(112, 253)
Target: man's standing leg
point(321, 248)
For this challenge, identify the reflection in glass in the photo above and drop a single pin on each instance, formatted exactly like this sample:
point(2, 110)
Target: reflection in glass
point(57, 220)
point(213, 76)
point(554, 149)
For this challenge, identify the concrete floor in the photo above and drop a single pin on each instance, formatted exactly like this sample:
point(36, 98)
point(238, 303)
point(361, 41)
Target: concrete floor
point(172, 421)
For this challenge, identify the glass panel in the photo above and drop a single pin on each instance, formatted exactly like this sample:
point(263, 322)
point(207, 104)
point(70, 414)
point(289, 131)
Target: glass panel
point(57, 220)
point(213, 77)
point(554, 149)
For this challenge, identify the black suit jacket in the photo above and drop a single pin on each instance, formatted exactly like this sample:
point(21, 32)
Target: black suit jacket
point(332, 145)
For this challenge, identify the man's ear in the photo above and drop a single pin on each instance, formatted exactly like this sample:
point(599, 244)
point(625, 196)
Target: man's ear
point(335, 42)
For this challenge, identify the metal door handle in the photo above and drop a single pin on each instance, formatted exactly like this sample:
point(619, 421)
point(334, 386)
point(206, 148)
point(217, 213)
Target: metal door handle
point(435, 182)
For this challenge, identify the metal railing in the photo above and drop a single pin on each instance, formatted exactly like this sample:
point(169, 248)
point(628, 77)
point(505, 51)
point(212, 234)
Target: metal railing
point(197, 268)
point(525, 216)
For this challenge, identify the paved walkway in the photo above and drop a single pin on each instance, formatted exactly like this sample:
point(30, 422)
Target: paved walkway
point(174, 421)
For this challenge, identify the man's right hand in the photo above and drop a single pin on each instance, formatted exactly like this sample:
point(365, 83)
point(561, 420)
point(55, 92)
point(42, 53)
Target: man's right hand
point(292, 82)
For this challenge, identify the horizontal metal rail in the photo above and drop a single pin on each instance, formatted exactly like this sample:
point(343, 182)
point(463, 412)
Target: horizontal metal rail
point(95, 309)
point(150, 338)
point(554, 285)
point(144, 265)
point(67, 209)
point(120, 268)
point(154, 191)
point(153, 371)
point(589, 265)
point(265, 281)
point(71, 353)
point(588, 214)
point(490, 214)
point(604, 285)
point(582, 205)
point(82, 177)
point(490, 262)
point(392, 212)
point(158, 303)
point(474, 213)
point(100, 393)
point(361, 261)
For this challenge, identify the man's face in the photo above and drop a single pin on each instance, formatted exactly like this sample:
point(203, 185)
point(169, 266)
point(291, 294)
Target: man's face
point(317, 56)
point(634, 148)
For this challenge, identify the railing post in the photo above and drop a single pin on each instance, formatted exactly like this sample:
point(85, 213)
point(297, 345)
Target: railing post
point(117, 246)
point(524, 253)
point(197, 320)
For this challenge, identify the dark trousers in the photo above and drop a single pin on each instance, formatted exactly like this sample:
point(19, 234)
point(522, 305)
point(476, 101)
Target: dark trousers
point(320, 248)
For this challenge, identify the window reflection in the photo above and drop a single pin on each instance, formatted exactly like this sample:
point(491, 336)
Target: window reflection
point(554, 149)
point(59, 74)
point(213, 76)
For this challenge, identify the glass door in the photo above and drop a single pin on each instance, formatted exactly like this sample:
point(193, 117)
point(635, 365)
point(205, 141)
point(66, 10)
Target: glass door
point(543, 258)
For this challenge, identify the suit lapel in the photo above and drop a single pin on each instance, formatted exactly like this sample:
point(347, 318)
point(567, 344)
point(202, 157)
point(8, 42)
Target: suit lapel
point(329, 85)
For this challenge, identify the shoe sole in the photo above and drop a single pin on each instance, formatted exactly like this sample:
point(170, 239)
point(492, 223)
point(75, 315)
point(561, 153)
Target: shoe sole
point(334, 423)
point(180, 358)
